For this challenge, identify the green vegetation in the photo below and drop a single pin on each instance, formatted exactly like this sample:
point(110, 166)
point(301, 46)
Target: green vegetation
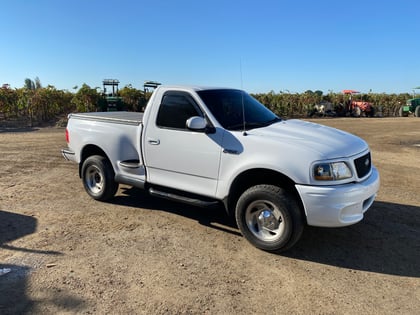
point(299, 105)
point(36, 104)
point(33, 104)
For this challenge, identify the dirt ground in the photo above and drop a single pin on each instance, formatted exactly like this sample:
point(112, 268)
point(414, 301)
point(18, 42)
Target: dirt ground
point(61, 252)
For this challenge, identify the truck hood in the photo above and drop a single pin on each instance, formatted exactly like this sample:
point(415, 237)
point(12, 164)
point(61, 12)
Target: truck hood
point(325, 142)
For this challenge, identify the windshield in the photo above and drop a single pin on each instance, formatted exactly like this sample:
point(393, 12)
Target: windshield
point(228, 107)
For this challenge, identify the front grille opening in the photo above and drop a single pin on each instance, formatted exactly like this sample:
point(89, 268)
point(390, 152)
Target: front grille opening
point(363, 165)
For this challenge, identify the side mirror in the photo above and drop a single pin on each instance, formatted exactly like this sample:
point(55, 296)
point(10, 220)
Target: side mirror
point(196, 123)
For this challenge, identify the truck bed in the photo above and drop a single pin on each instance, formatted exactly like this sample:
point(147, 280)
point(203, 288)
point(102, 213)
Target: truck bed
point(126, 118)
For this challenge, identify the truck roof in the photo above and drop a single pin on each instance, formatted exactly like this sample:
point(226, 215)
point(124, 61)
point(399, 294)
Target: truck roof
point(193, 87)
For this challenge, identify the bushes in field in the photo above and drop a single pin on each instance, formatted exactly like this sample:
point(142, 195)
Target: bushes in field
point(299, 105)
point(36, 104)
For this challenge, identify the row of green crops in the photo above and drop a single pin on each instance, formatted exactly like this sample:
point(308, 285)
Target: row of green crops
point(40, 104)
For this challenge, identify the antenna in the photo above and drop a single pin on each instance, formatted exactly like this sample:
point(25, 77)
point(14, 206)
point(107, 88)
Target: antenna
point(242, 100)
point(240, 70)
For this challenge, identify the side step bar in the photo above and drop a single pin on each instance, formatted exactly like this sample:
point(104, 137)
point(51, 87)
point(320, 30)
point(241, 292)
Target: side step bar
point(183, 199)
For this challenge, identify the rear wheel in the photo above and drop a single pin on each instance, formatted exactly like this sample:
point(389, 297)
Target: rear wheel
point(269, 218)
point(417, 111)
point(98, 178)
point(371, 112)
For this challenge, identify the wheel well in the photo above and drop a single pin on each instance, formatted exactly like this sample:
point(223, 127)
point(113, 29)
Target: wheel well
point(87, 151)
point(254, 177)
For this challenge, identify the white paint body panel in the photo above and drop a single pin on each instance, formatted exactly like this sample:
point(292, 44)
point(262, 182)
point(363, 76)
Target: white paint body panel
point(207, 163)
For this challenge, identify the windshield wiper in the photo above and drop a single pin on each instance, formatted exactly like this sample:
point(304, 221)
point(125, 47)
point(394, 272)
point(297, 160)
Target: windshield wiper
point(252, 125)
point(277, 119)
point(235, 127)
point(262, 124)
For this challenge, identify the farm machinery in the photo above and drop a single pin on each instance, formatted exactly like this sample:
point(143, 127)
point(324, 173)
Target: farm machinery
point(113, 100)
point(412, 106)
point(357, 108)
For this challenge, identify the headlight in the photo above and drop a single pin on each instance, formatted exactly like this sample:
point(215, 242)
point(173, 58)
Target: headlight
point(332, 171)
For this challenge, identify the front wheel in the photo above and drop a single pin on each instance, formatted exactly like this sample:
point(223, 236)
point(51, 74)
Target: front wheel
point(402, 113)
point(269, 218)
point(357, 112)
point(98, 178)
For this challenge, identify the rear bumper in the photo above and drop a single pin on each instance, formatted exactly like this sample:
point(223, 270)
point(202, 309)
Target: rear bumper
point(335, 206)
point(68, 154)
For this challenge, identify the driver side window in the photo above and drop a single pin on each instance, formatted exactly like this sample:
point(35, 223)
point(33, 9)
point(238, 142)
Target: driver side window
point(175, 109)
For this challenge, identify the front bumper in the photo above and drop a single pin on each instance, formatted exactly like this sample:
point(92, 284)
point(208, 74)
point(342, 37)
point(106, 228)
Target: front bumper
point(341, 205)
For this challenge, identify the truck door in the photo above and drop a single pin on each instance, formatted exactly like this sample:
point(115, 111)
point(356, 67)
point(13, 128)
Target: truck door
point(177, 157)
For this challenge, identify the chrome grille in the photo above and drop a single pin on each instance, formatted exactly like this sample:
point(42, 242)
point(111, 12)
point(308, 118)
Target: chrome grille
point(363, 165)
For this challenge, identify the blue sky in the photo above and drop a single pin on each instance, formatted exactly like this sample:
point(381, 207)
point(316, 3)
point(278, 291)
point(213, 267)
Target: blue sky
point(264, 45)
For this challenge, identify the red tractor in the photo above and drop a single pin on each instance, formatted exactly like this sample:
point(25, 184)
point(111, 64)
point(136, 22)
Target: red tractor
point(357, 108)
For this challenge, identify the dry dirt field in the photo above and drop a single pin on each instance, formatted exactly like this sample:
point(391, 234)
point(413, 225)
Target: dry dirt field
point(61, 252)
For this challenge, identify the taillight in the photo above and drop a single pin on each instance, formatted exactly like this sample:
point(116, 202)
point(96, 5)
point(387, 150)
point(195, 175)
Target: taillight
point(67, 136)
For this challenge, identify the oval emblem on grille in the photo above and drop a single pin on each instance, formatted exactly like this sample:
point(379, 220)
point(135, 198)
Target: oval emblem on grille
point(367, 162)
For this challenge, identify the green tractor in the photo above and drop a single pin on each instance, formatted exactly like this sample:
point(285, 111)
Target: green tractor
point(412, 106)
point(113, 99)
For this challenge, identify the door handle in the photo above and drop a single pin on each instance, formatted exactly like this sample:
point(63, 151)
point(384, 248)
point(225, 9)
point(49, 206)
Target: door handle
point(153, 141)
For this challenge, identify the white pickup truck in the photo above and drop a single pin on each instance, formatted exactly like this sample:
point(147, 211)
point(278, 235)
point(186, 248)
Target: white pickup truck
point(208, 146)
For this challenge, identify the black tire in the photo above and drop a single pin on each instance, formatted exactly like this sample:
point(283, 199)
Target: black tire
point(402, 113)
point(269, 218)
point(357, 112)
point(98, 178)
point(417, 111)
